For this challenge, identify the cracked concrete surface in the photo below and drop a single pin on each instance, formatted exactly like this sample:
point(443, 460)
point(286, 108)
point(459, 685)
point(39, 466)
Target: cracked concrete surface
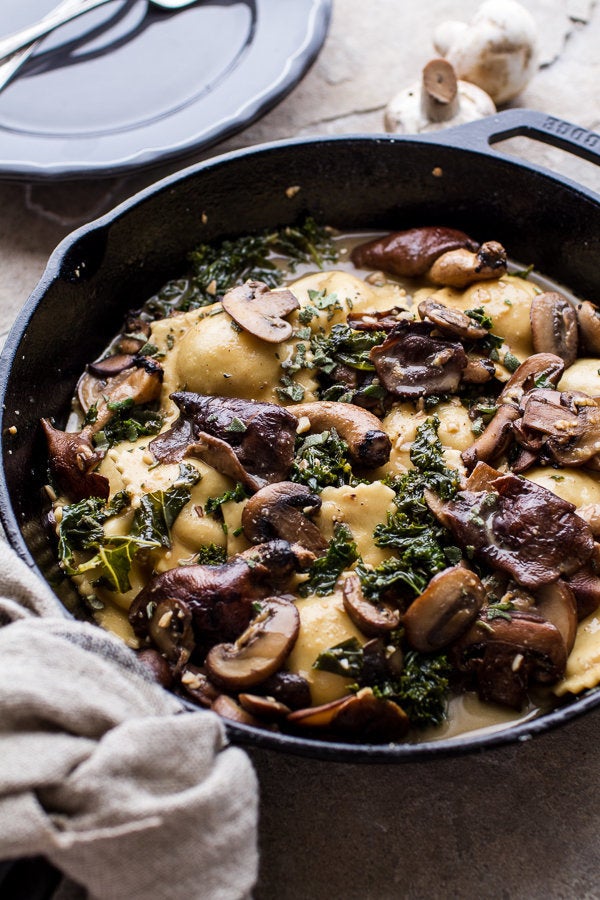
point(520, 822)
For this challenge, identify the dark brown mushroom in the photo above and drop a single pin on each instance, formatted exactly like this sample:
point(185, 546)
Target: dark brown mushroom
point(157, 665)
point(372, 619)
point(554, 326)
point(444, 610)
point(220, 597)
point(259, 310)
point(282, 510)
point(519, 527)
point(261, 436)
point(461, 267)
point(72, 462)
point(588, 319)
point(260, 650)
point(450, 320)
point(412, 363)
point(410, 253)
point(368, 444)
point(585, 584)
point(505, 654)
point(287, 688)
point(495, 440)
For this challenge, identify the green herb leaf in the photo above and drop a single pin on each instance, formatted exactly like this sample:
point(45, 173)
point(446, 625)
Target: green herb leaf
point(325, 571)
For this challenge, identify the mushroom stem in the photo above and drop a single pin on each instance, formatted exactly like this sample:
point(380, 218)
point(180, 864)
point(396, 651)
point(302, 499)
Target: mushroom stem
point(439, 93)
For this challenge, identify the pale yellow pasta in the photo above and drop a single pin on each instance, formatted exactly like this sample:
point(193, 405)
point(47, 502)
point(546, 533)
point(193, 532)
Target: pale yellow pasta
point(323, 624)
point(574, 485)
point(582, 376)
point(361, 508)
point(583, 664)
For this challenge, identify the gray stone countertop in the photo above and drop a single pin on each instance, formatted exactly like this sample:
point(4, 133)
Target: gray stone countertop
point(517, 822)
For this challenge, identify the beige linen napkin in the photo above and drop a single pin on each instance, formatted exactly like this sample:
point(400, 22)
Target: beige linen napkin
point(100, 770)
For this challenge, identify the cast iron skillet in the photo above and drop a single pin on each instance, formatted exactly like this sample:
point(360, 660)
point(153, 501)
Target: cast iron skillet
point(107, 267)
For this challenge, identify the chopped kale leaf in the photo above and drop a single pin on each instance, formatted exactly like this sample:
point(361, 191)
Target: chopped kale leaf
point(325, 571)
point(321, 460)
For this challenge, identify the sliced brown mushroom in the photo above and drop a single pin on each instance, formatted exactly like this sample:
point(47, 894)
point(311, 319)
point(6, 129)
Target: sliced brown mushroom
point(461, 267)
point(444, 610)
point(369, 718)
point(260, 650)
point(505, 654)
point(139, 382)
point(519, 527)
point(412, 363)
point(282, 510)
point(451, 320)
point(562, 428)
point(170, 630)
point(495, 440)
point(196, 685)
point(588, 319)
point(261, 435)
point(554, 326)
point(259, 310)
point(479, 370)
point(362, 716)
point(227, 707)
point(264, 707)
point(410, 253)
point(368, 444)
point(556, 603)
point(372, 619)
point(73, 460)
point(541, 366)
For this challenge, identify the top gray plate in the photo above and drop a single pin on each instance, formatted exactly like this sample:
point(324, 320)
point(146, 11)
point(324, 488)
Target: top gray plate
point(128, 86)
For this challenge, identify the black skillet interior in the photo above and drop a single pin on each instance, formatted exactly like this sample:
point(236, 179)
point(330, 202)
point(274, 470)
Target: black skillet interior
point(382, 182)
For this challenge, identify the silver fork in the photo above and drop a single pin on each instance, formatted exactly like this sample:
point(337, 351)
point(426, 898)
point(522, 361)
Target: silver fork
point(11, 65)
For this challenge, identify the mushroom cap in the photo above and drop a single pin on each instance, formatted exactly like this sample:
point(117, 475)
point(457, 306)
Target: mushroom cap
point(259, 310)
point(412, 363)
point(554, 326)
point(445, 609)
point(260, 650)
point(282, 510)
point(368, 444)
point(370, 618)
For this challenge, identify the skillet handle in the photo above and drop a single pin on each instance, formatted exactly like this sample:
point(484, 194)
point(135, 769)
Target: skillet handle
point(483, 133)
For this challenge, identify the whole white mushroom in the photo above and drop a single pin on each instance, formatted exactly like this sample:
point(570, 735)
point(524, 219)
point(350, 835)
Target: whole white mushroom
point(497, 50)
point(439, 100)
